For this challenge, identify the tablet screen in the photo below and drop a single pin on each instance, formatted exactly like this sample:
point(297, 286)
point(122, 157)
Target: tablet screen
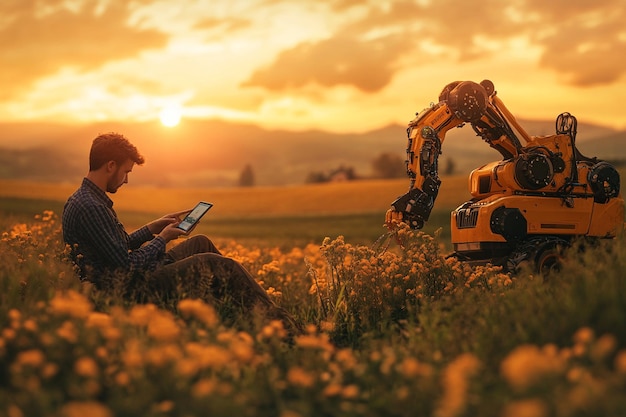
point(194, 215)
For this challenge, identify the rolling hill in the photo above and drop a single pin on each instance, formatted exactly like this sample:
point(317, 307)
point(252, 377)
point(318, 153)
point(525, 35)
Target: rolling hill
point(213, 153)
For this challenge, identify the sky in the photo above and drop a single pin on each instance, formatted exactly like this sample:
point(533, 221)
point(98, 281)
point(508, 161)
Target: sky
point(336, 65)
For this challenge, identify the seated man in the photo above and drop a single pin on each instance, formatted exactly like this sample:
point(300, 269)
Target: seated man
point(138, 263)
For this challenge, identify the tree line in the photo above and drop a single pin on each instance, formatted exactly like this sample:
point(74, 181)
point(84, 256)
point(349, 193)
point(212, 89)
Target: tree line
point(384, 166)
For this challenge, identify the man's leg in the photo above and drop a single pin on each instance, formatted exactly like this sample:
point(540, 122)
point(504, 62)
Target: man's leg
point(213, 277)
point(191, 246)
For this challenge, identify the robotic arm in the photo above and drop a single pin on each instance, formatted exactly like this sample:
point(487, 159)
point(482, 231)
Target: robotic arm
point(459, 103)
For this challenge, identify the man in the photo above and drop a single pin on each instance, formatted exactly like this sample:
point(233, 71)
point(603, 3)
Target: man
point(138, 263)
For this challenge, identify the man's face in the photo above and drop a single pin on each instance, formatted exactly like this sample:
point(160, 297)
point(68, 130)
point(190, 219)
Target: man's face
point(119, 176)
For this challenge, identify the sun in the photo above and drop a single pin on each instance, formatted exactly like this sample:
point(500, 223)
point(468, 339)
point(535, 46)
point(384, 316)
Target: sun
point(170, 116)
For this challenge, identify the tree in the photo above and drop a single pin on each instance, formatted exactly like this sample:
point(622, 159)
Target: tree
point(342, 173)
point(316, 178)
point(388, 165)
point(246, 178)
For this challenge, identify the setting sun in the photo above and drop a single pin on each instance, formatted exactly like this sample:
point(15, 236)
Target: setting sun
point(170, 116)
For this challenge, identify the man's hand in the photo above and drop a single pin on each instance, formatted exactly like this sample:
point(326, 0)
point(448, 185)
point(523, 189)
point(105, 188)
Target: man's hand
point(157, 226)
point(171, 232)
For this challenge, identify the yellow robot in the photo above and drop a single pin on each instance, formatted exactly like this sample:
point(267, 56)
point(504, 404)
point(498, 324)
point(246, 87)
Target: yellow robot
point(525, 207)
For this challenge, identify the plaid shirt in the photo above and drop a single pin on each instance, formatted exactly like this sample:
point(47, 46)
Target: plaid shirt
point(99, 243)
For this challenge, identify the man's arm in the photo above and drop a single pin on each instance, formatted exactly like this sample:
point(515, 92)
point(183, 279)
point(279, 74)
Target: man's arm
point(147, 232)
point(139, 237)
point(110, 242)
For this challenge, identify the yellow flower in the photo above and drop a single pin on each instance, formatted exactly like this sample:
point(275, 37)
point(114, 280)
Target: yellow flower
point(14, 314)
point(164, 406)
point(299, 377)
point(186, 367)
point(68, 332)
point(525, 408)
point(327, 326)
point(99, 320)
point(620, 361)
point(582, 341)
point(388, 360)
point(346, 358)
point(208, 356)
point(49, 370)
point(203, 387)
point(456, 384)
point(86, 367)
point(528, 364)
point(350, 391)
point(268, 268)
point(332, 390)
point(86, 408)
point(584, 335)
point(163, 327)
point(411, 368)
point(132, 357)
point(72, 304)
point(31, 325)
point(104, 322)
point(274, 293)
point(274, 329)
point(603, 347)
point(199, 310)
point(122, 379)
point(140, 314)
point(162, 355)
point(315, 342)
point(32, 357)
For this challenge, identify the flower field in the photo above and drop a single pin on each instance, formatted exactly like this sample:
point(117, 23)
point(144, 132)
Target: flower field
point(390, 330)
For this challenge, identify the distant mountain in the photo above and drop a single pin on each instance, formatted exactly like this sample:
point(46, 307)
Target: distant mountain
point(212, 153)
point(611, 147)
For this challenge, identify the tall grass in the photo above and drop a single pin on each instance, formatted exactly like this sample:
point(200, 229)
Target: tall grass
point(391, 329)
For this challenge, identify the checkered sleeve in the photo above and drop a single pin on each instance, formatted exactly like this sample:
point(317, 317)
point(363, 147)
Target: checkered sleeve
point(139, 237)
point(108, 238)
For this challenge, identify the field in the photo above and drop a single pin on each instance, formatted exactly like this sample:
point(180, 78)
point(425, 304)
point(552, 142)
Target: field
point(389, 330)
point(298, 214)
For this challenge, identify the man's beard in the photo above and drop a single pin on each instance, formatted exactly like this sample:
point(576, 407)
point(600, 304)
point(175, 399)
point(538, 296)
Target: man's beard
point(112, 186)
point(112, 189)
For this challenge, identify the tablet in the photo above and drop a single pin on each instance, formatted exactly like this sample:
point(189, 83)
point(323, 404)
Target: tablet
point(194, 216)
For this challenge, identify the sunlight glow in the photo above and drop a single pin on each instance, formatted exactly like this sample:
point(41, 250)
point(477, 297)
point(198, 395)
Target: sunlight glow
point(170, 116)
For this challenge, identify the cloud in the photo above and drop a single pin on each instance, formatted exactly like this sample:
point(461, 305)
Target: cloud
point(588, 44)
point(225, 26)
point(354, 55)
point(583, 41)
point(40, 38)
point(461, 25)
point(366, 52)
point(367, 65)
point(340, 5)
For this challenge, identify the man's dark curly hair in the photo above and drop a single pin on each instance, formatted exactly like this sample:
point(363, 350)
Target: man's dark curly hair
point(112, 147)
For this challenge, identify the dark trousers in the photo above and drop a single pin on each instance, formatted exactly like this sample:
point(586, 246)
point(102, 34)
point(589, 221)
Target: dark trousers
point(197, 268)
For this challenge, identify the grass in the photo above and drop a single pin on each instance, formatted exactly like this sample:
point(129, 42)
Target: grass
point(395, 332)
point(281, 231)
